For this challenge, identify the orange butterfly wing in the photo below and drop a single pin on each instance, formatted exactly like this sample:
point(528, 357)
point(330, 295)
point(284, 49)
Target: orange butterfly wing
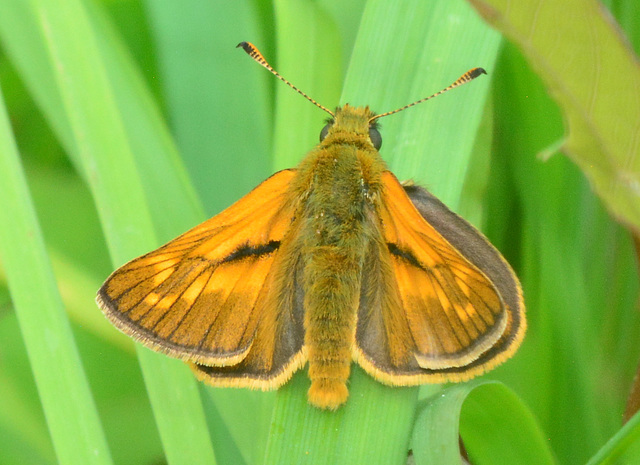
point(218, 296)
point(438, 301)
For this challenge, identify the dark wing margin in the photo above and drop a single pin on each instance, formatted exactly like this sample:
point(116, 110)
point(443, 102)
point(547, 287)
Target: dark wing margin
point(476, 248)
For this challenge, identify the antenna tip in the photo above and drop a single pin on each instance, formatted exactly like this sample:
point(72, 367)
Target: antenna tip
point(475, 72)
point(246, 46)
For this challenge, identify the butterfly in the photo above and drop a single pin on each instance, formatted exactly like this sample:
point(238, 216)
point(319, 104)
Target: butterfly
point(332, 262)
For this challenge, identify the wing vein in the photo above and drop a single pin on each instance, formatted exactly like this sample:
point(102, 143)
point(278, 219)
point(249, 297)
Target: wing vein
point(178, 298)
point(192, 306)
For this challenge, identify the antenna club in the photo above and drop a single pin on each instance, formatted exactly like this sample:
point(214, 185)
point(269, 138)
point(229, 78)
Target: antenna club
point(253, 52)
point(475, 72)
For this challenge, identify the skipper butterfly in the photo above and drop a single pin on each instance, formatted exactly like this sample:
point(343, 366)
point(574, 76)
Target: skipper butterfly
point(332, 262)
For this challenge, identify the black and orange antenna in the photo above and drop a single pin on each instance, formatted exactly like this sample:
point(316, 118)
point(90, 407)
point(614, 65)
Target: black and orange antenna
point(466, 77)
point(254, 53)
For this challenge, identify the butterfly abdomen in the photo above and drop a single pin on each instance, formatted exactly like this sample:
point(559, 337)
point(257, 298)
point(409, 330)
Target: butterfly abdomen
point(332, 277)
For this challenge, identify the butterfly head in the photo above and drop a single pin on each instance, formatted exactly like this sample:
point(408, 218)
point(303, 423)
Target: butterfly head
point(352, 122)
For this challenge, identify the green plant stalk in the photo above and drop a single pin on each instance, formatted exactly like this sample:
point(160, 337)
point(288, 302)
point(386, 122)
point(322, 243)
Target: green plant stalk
point(106, 158)
point(66, 398)
point(623, 448)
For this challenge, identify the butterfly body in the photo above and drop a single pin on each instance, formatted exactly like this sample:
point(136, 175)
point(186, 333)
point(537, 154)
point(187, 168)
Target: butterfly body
point(339, 184)
point(329, 263)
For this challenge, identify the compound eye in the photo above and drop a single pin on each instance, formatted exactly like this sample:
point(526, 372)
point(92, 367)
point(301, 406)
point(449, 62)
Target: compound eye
point(376, 138)
point(325, 131)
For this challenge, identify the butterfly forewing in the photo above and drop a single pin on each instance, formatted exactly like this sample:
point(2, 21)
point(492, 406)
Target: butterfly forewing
point(201, 296)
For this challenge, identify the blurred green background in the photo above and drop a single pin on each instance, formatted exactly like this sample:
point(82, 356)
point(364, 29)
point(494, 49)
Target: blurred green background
point(135, 120)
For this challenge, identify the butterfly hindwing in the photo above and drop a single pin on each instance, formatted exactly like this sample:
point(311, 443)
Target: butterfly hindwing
point(277, 349)
point(436, 296)
point(210, 295)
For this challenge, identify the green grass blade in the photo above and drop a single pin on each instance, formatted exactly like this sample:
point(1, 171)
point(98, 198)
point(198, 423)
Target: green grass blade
point(172, 200)
point(495, 425)
point(372, 427)
point(313, 63)
point(64, 391)
point(97, 126)
point(411, 59)
point(220, 105)
point(623, 448)
point(553, 359)
point(577, 268)
point(594, 76)
point(401, 54)
point(216, 101)
point(150, 140)
point(23, 426)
